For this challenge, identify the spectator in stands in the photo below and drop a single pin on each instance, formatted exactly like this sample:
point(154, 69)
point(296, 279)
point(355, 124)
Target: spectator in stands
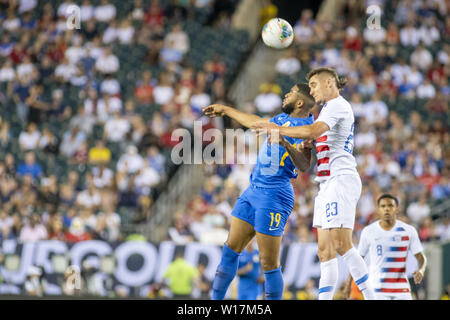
point(426, 90)
point(144, 88)
point(419, 210)
point(30, 167)
point(29, 140)
point(99, 154)
point(110, 85)
point(289, 64)
point(116, 128)
point(267, 101)
point(105, 12)
point(33, 231)
point(77, 231)
point(163, 91)
point(72, 141)
point(177, 39)
point(108, 62)
point(374, 35)
point(107, 106)
point(421, 58)
point(304, 27)
point(65, 71)
point(89, 198)
point(20, 94)
point(130, 162)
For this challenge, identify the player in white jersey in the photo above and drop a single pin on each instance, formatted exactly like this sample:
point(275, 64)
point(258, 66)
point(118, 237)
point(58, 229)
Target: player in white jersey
point(387, 241)
point(340, 184)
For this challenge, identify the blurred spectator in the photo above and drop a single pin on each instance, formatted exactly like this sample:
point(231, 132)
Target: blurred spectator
point(427, 230)
point(176, 40)
point(304, 27)
point(289, 64)
point(30, 166)
point(83, 121)
point(33, 284)
point(99, 154)
point(110, 221)
point(29, 140)
point(163, 91)
point(418, 210)
point(249, 273)
point(374, 35)
point(130, 162)
point(89, 198)
point(421, 58)
point(179, 232)
point(426, 90)
point(77, 231)
point(107, 62)
point(116, 128)
point(72, 141)
point(33, 230)
point(144, 88)
point(409, 35)
point(267, 101)
point(105, 12)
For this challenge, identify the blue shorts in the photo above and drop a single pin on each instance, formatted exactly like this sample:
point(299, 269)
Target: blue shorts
point(266, 209)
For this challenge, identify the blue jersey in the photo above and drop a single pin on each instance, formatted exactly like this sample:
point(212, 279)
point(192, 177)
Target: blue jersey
point(248, 287)
point(274, 168)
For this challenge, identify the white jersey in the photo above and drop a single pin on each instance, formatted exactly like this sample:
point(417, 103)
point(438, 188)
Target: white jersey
point(335, 147)
point(387, 253)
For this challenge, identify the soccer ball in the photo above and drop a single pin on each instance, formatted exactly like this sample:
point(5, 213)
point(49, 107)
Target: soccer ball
point(277, 33)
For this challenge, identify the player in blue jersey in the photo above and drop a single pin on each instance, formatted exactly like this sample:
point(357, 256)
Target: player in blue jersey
point(264, 207)
point(249, 274)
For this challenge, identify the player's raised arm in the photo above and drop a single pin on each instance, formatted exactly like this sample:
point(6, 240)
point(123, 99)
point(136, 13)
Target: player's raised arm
point(309, 132)
point(245, 119)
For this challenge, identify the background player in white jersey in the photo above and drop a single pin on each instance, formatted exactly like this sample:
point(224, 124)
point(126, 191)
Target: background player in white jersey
point(387, 241)
point(340, 184)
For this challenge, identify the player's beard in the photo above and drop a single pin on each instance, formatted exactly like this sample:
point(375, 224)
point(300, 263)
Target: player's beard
point(288, 107)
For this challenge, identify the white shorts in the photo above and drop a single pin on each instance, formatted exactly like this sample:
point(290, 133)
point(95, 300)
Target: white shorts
point(397, 296)
point(335, 204)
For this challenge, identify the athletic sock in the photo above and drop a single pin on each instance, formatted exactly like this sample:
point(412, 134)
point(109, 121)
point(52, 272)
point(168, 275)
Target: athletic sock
point(274, 284)
point(328, 279)
point(225, 273)
point(358, 269)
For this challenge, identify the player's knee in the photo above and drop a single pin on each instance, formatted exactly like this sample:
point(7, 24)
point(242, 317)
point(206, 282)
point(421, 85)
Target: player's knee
point(235, 246)
point(341, 246)
point(325, 253)
point(268, 263)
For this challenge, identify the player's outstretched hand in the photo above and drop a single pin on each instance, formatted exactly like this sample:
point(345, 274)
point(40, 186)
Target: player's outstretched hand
point(214, 110)
point(418, 276)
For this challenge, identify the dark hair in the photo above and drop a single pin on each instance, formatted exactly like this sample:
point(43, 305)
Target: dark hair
point(340, 81)
point(303, 89)
point(387, 196)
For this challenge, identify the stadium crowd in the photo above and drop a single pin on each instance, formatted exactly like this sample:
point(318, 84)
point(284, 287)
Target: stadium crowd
point(83, 151)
